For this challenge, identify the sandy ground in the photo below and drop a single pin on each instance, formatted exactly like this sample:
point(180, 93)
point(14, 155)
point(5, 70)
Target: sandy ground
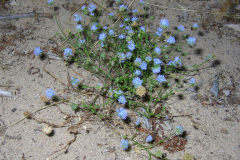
point(212, 125)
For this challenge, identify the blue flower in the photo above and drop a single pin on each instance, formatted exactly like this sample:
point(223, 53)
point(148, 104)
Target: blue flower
point(126, 19)
point(67, 52)
point(137, 122)
point(102, 44)
point(77, 18)
point(122, 100)
point(129, 55)
point(131, 45)
point(157, 50)
point(134, 11)
point(122, 36)
point(159, 32)
point(157, 61)
point(37, 51)
point(209, 57)
point(137, 73)
point(141, 2)
point(177, 61)
point(181, 28)
point(137, 82)
point(128, 27)
point(156, 69)
point(172, 63)
point(149, 138)
point(143, 28)
point(91, 8)
point(111, 32)
point(49, 93)
point(105, 27)
point(121, 25)
point(143, 66)
point(179, 130)
point(119, 1)
point(79, 28)
point(92, 14)
point(122, 113)
point(50, 2)
point(121, 56)
point(161, 78)
point(119, 92)
point(74, 81)
point(138, 61)
point(192, 81)
point(123, 8)
point(134, 19)
point(124, 144)
point(191, 40)
point(148, 59)
point(171, 40)
point(111, 14)
point(82, 41)
point(102, 36)
point(94, 27)
point(164, 23)
point(195, 25)
point(83, 7)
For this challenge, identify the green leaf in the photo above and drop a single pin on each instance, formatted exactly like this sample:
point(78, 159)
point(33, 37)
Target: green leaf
point(74, 106)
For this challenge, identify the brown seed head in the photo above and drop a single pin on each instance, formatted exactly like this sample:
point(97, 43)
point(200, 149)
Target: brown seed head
point(141, 91)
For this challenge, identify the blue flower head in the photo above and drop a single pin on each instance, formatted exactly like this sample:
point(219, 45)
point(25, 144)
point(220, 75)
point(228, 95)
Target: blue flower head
point(134, 19)
point(142, 28)
point(94, 27)
point(122, 113)
point(50, 2)
point(91, 14)
point(49, 93)
point(149, 138)
point(157, 61)
point(209, 57)
point(74, 81)
point(179, 130)
point(192, 81)
point(77, 18)
point(124, 144)
point(157, 50)
point(172, 63)
point(91, 8)
point(156, 69)
point(137, 82)
point(191, 40)
point(171, 40)
point(121, 25)
point(148, 59)
point(164, 23)
point(105, 27)
point(122, 100)
point(129, 55)
point(111, 32)
point(138, 73)
point(122, 36)
point(83, 7)
point(118, 1)
point(118, 92)
point(177, 61)
point(102, 45)
point(159, 32)
point(126, 19)
point(195, 25)
point(161, 78)
point(82, 41)
point(137, 122)
point(102, 36)
point(143, 65)
point(79, 28)
point(111, 14)
point(134, 11)
point(181, 28)
point(121, 56)
point(123, 8)
point(37, 51)
point(67, 52)
point(141, 2)
point(138, 61)
point(131, 45)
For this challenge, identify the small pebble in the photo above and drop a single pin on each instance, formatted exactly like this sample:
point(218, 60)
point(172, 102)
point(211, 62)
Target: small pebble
point(224, 131)
point(14, 109)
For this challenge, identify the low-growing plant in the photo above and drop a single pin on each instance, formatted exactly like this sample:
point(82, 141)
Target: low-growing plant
point(138, 68)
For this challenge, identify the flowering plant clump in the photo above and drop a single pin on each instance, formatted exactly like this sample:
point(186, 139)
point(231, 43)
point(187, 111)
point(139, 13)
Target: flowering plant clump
point(137, 69)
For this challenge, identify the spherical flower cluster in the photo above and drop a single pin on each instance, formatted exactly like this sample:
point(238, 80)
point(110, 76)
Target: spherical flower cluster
point(102, 36)
point(143, 65)
point(122, 57)
point(94, 27)
point(137, 122)
point(37, 51)
point(105, 27)
point(192, 81)
point(111, 32)
point(159, 32)
point(171, 40)
point(157, 61)
point(177, 61)
point(124, 144)
point(134, 19)
point(122, 100)
point(122, 8)
point(148, 59)
point(156, 69)
point(83, 7)
point(195, 25)
point(67, 52)
point(126, 19)
point(157, 50)
point(142, 28)
point(111, 14)
point(122, 36)
point(138, 61)
point(138, 73)
point(137, 82)
point(91, 8)
point(141, 2)
point(49, 93)
point(181, 28)
point(164, 23)
point(82, 41)
point(74, 81)
point(129, 55)
point(191, 40)
point(121, 25)
point(79, 28)
point(122, 113)
point(77, 18)
point(161, 78)
point(179, 130)
point(50, 2)
point(140, 91)
point(149, 138)
point(134, 11)
point(131, 45)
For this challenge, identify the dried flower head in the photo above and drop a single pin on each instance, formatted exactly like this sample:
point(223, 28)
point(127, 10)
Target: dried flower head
point(47, 129)
point(141, 91)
